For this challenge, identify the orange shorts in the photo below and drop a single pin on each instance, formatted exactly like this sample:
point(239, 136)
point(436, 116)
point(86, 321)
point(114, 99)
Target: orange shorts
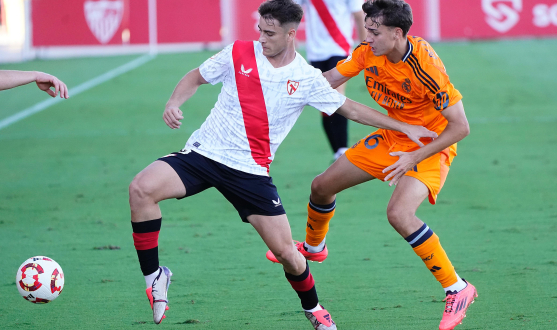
point(371, 154)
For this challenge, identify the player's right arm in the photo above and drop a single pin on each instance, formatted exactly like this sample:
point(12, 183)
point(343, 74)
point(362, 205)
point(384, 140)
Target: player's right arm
point(365, 115)
point(185, 89)
point(327, 100)
point(212, 71)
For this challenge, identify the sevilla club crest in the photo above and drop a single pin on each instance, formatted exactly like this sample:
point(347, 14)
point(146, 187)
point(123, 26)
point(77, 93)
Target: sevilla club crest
point(104, 18)
point(292, 86)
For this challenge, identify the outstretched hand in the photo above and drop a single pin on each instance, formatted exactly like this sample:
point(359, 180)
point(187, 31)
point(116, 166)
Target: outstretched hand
point(406, 161)
point(415, 133)
point(45, 81)
point(172, 117)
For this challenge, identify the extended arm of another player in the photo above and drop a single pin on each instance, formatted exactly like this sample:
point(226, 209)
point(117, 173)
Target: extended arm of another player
point(365, 115)
point(11, 78)
point(456, 130)
point(184, 90)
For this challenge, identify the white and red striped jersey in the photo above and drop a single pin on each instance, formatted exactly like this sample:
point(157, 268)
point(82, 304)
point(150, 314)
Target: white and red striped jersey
point(257, 106)
point(329, 27)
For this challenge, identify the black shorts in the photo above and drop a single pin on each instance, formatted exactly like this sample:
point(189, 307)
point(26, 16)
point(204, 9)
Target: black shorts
point(248, 193)
point(327, 64)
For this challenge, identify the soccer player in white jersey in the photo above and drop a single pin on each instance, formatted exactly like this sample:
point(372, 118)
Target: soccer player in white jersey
point(329, 28)
point(11, 78)
point(266, 84)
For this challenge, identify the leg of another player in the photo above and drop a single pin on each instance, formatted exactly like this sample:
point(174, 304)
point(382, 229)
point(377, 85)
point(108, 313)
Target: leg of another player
point(341, 175)
point(336, 129)
point(275, 232)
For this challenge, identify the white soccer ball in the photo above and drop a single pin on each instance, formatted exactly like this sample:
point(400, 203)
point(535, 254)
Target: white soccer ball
point(40, 280)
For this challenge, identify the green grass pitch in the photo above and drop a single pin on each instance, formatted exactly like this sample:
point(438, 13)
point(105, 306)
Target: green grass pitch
point(64, 175)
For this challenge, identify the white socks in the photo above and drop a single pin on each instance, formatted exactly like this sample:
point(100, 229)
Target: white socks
point(315, 249)
point(317, 308)
point(457, 287)
point(340, 152)
point(150, 278)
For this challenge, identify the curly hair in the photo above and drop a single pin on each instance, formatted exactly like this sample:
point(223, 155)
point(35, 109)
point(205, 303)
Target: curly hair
point(284, 11)
point(395, 13)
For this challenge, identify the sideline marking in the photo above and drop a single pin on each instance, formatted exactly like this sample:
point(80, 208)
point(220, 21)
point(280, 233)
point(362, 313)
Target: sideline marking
point(76, 90)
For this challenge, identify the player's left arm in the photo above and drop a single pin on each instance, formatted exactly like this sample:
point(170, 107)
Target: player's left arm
point(456, 130)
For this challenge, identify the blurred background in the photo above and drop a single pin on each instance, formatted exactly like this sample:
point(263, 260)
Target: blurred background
point(31, 29)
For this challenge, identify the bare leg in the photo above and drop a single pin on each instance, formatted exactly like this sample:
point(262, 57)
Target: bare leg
point(401, 211)
point(155, 183)
point(275, 232)
point(341, 175)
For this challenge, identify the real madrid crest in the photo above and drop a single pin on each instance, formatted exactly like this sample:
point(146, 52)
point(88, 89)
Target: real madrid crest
point(407, 86)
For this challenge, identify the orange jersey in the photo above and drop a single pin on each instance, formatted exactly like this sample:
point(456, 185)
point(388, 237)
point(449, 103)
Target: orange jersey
point(414, 90)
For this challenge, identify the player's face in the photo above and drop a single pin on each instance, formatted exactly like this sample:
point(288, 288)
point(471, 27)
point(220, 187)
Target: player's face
point(273, 37)
point(381, 38)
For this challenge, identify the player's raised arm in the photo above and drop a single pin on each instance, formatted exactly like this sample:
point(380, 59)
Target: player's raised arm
point(365, 115)
point(184, 90)
point(11, 78)
point(456, 130)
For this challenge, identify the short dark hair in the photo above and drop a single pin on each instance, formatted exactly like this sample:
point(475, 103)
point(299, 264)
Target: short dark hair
point(395, 13)
point(284, 11)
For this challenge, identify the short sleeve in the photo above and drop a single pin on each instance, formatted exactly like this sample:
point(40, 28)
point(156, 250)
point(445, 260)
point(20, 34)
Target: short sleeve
point(323, 97)
point(438, 87)
point(215, 69)
point(353, 64)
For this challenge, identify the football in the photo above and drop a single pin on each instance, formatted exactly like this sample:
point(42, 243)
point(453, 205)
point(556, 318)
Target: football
point(40, 280)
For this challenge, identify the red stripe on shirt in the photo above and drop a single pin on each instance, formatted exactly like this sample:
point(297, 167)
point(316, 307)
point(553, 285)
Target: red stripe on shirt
point(304, 285)
point(146, 241)
point(250, 94)
point(331, 25)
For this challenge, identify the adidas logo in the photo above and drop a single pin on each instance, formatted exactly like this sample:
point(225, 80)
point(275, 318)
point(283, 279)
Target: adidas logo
point(309, 226)
point(434, 269)
point(276, 202)
point(244, 71)
point(373, 69)
point(461, 305)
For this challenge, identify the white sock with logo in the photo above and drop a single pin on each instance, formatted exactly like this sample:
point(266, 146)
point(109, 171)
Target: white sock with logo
point(315, 249)
point(150, 278)
point(458, 286)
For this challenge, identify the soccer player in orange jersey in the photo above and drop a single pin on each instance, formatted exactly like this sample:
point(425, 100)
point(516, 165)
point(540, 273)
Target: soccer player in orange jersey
point(406, 77)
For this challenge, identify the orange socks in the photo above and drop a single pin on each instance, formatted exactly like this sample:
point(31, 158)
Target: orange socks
point(427, 246)
point(318, 222)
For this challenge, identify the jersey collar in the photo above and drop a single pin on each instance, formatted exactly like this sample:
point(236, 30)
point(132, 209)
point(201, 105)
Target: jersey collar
point(410, 49)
